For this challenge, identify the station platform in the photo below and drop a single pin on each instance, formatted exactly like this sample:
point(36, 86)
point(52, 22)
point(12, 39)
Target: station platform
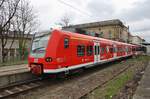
point(143, 90)
point(15, 73)
point(7, 70)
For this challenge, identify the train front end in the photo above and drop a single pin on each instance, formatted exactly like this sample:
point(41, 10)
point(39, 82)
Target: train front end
point(36, 58)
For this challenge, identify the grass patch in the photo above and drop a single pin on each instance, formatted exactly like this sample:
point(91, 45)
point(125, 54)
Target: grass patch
point(142, 58)
point(112, 87)
point(115, 85)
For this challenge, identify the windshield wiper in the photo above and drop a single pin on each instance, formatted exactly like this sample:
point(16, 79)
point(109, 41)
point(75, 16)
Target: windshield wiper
point(38, 49)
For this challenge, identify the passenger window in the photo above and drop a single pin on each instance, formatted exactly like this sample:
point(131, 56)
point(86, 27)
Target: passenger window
point(80, 50)
point(102, 50)
point(115, 50)
point(111, 50)
point(89, 50)
point(107, 49)
point(119, 49)
point(66, 43)
point(126, 49)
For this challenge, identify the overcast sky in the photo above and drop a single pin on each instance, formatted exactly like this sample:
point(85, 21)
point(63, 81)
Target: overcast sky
point(135, 13)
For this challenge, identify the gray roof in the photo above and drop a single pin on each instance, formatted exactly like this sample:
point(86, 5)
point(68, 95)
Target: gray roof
point(146, 43)
point(15, 34)
point(95, 24)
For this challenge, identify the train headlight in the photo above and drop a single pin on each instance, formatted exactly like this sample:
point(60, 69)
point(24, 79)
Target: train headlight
point(48, 59)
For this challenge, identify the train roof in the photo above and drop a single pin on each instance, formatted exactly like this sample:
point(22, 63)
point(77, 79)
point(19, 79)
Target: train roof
point(91, 37)
point(42, 33)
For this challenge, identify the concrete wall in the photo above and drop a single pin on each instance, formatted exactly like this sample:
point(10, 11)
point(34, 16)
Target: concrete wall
point(13, 78)
point(148, 49)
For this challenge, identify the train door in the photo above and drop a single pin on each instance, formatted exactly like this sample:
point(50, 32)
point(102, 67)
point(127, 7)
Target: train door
point(64, 52)
point(126, 50)
point(96, 52)
point(115, 50)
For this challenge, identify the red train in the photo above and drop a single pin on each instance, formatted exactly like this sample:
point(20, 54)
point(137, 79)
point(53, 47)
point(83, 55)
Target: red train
point(61, 51)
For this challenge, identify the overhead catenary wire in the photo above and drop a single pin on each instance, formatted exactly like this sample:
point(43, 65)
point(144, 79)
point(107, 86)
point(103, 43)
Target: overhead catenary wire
point(75, 8)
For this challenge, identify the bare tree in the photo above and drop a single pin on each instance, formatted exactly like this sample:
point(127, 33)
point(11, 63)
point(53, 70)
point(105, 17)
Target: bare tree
point(65, 20)
point(1, 2)
point(26, 23)
point(17, 20)
point(8, 9)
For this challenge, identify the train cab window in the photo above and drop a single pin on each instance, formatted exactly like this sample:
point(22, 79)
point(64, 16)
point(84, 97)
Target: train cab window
point(89, 50)
point(66, 43)
point(80, 50)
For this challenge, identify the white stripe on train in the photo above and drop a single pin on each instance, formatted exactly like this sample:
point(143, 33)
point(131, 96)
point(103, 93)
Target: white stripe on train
point(86, 65)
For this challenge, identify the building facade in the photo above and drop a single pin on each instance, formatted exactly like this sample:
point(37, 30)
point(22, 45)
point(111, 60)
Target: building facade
point(13, 52)
point(137, 40)
point(110, 29)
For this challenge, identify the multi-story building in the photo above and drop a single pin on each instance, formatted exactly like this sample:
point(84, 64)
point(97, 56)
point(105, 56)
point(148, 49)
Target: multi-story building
point(137, 40)
point(109, 29)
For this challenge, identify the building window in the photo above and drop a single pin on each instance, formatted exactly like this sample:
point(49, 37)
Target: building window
point(97, 35)
point(66, 43)
point(101, 34)
point(89, 50)
point(110, 34)
point(80, 50)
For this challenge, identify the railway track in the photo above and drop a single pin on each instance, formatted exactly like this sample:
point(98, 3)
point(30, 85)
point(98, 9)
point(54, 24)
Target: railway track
point(106, 81)
point(15, 90)
point(20, 87)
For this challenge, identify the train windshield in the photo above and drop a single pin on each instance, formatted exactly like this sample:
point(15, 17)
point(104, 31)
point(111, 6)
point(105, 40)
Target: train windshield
point(39, 46)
